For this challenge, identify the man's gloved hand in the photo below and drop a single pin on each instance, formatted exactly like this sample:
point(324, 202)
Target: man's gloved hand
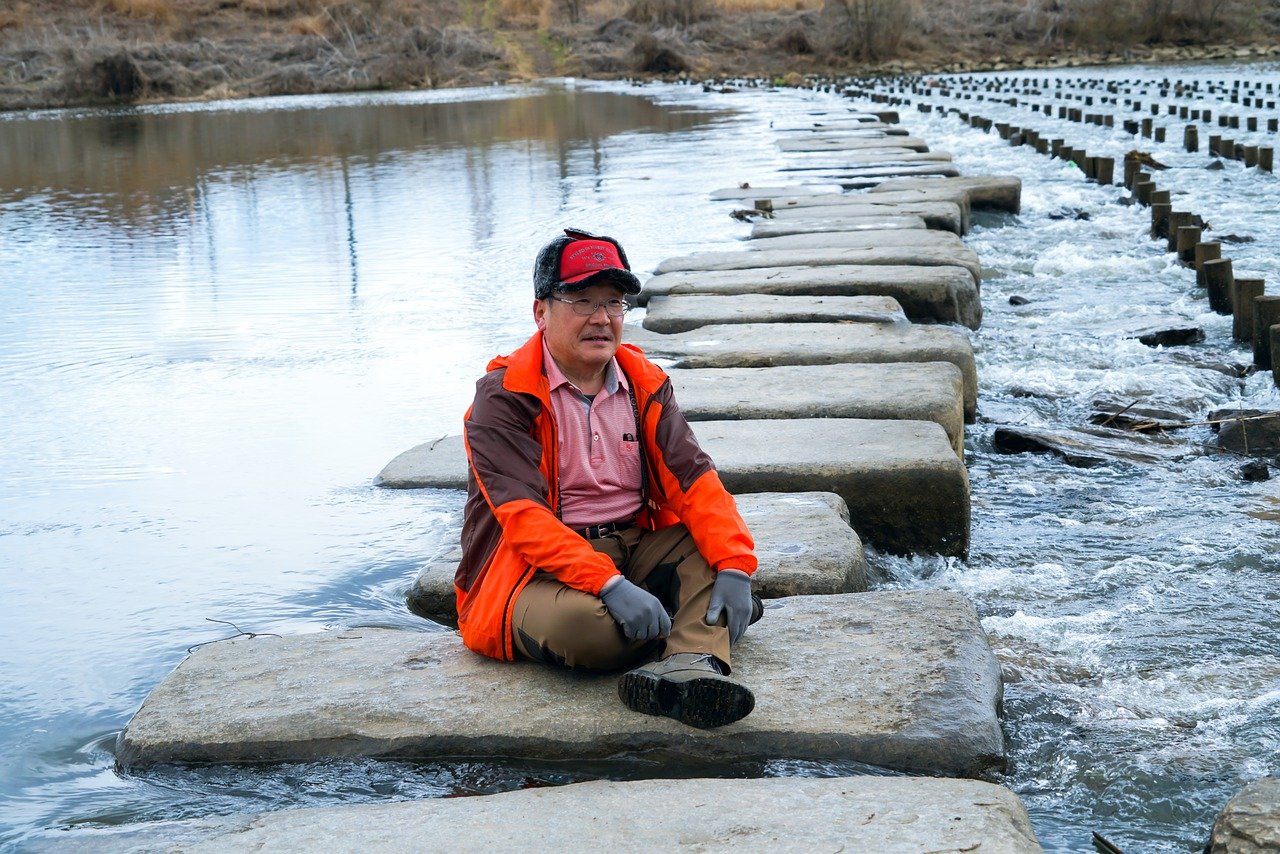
point(637, 611)
point(731, 596)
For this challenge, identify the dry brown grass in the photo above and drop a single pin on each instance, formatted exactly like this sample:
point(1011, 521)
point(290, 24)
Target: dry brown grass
point(161, 11)
point(15, 18)
point(310, 25)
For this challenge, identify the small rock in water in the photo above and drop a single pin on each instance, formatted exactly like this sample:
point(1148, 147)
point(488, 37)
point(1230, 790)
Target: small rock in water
point(1255, 470)
point(1216, 166)
point(1236, 238)
point(1253, 437)
point(1017, 300)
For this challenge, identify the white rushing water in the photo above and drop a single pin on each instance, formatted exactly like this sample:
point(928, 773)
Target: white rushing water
point(202, 366)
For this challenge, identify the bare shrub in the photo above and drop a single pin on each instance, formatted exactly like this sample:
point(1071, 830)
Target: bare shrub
point(869, 30)
point(793, 40)
point(616, 30)
point(654, 57)
point(110, 75)
point(667, 13)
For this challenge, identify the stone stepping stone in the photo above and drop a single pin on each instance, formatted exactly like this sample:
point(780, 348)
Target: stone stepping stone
point(992, 192)
point(682, 313)
point(862, 179)
point(780, 228)
point(803, 541)
point(1250, 822)
point(944, 294)
point(850, 142)
point(802, 161)
point(891, 239)
point(767, 345)
point(909, 391)
point(918, 255)
point(804, 814)
point(841, 124)
point(906, 490)
point(751, 192)
point(944, 216)
point(904, 680)
point(937, 193)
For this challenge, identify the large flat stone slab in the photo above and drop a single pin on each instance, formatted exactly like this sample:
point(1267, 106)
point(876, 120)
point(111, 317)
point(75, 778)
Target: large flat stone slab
point(904, 680)
point(926, 294)
point(906, 490)
point(1250, 822)
point(849, 142)
point(909, 391)
point(767, 345)
point(803, 814)
point(779, 228)
point(924, 239)
point(993, 192)
point(893, 256)
point(803, 541)
point(682, 313)
point(945, 216)
point(800, 162)
point(936, 191)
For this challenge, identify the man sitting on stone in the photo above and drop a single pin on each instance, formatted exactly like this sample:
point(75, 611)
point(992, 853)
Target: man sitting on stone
point(597, 533)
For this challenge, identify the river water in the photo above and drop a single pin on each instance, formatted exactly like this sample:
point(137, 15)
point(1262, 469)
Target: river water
point(219, 321)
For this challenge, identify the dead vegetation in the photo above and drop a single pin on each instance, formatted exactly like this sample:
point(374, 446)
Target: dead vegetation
point(61, 52)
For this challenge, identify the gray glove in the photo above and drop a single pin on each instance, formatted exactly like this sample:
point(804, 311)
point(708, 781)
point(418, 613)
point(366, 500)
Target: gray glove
point(637, 611)
point(731, 596)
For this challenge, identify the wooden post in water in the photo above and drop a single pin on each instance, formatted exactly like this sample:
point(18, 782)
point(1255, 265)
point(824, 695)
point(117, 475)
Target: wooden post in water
point(1217, 281)
point(1104, 170)
point(1160, 219)
point(1275, 355)
point(1176, 220)
point(1210, 251)
point(1191, 138)
point(1244, 292)
point(1188, 237)
point(1266, 155)
point(1266, 314)
point(1251, 155)
point(1142, 190)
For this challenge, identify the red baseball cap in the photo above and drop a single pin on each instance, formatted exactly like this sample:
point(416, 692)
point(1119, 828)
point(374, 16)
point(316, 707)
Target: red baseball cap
point(579, 260)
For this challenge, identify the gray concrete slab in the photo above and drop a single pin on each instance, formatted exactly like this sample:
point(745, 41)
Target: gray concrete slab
point(1250, 822)
point(779, 228)
point(849, 142)
point(682, 313)
point(801, 161)
point(766, 345)
point(937, 191)
point(901, 238)
point(803, 541)
point(945, 216)
point(991, 192)
point(776, 814)
point(838, 124)
point(926, 294)
point(894, 256)
point(810, 185)
point(910, 391)
point(904, 680)
point(907, 491)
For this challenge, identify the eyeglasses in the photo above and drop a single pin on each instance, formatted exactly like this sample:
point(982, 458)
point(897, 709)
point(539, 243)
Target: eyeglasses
point(587, 307)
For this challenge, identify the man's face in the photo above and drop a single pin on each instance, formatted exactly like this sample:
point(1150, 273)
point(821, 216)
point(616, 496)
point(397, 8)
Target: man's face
point(582, 346)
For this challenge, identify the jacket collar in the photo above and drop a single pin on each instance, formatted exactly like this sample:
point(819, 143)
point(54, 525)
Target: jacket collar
point(525, 372)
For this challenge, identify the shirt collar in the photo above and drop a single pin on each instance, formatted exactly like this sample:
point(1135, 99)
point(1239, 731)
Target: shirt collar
point(614, 378)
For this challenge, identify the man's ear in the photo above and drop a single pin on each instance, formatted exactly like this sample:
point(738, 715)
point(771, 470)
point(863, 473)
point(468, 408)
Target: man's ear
point(539, 313)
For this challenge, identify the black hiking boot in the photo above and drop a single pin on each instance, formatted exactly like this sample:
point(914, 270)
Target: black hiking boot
point(689, 687)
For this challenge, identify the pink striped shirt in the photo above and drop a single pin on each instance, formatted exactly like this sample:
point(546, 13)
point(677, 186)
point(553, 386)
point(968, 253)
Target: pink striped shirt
point(599, 452)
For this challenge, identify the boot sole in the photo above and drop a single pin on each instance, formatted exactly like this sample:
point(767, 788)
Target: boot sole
point(702, 702)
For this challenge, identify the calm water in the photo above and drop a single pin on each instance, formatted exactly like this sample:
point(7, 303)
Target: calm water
point(218, 322)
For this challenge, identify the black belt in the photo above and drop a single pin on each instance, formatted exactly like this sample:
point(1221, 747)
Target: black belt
point(595, 532)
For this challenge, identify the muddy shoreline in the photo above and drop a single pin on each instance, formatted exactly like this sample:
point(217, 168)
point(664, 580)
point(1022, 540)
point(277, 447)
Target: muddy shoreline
point(146, 51)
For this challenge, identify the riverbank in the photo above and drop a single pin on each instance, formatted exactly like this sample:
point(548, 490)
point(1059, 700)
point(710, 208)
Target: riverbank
point(138, 51)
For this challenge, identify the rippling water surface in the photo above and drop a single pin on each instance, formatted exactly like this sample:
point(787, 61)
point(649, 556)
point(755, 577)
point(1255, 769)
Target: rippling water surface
point(219, 321)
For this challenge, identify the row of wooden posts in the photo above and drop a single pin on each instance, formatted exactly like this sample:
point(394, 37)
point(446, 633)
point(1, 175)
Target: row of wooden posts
point(1255, 314)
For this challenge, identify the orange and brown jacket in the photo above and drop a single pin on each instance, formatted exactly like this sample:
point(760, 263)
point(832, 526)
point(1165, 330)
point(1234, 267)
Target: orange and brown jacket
point(511, 527)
